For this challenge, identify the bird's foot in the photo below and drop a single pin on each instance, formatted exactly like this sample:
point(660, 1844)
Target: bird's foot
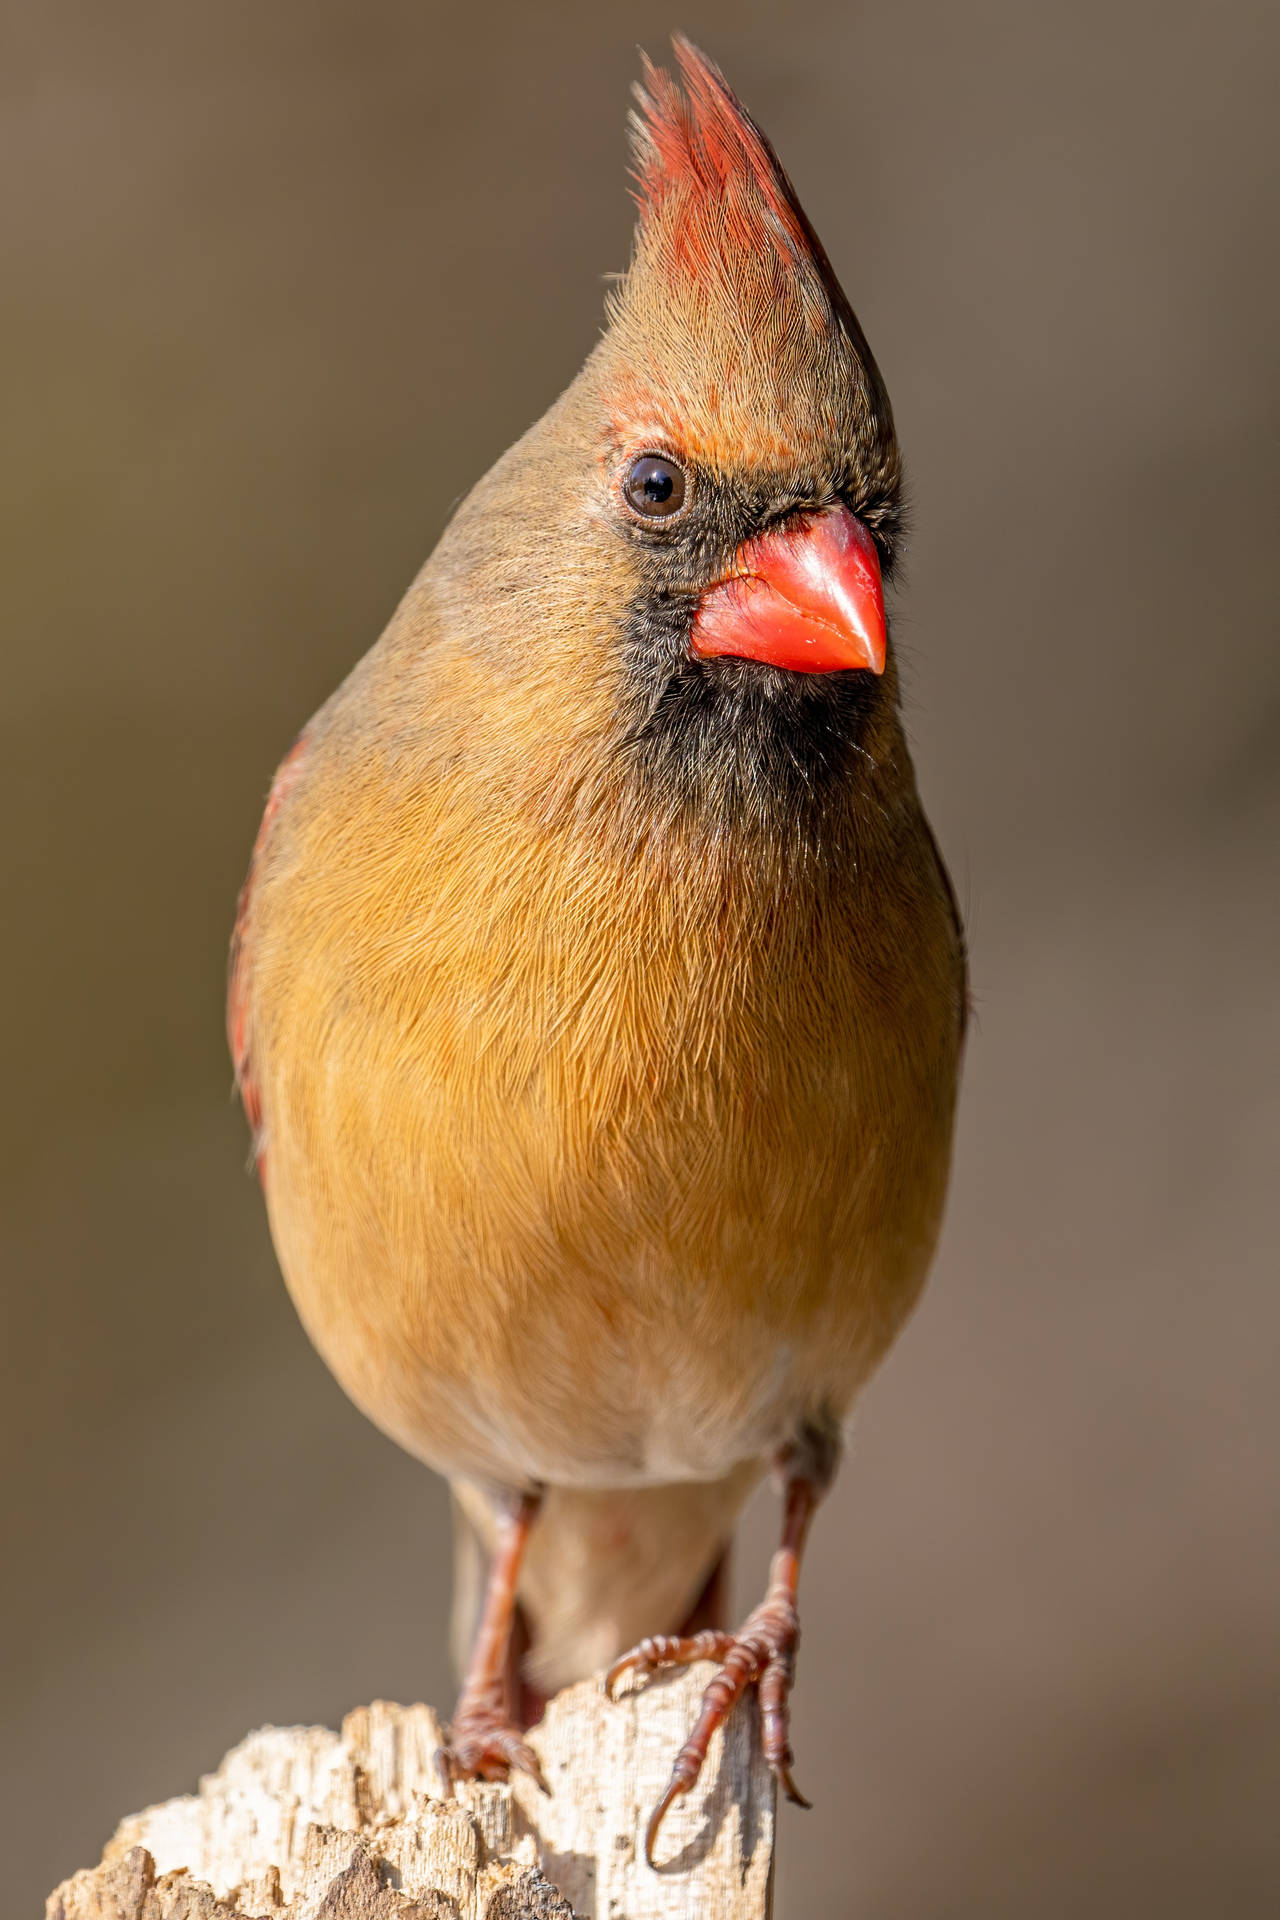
point(762, 1655)
point(667, 1650)
point(483, 1743)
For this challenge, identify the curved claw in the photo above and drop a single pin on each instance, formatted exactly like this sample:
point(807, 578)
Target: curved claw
point(526, 1761)
point(616, 1671)
point(675, 1787)
point(488, 1755)
point(783, 1777)
point(761, 1655)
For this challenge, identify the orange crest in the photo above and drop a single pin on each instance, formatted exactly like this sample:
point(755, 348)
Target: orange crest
point(702, 147)
point(730, 338)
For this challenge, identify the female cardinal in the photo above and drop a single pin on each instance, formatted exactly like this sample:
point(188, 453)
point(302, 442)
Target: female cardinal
point(597, 992)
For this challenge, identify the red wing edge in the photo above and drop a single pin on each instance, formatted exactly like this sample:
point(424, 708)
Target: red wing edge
point(239, 969)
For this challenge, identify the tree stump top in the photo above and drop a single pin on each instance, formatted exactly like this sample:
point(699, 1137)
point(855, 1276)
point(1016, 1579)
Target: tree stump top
point(299, 1823)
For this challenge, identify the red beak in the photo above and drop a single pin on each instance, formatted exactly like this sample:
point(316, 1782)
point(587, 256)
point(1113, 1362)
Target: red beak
point(807, 597)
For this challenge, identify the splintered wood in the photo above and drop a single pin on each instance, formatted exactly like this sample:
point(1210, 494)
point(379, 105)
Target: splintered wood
point(302, 1824)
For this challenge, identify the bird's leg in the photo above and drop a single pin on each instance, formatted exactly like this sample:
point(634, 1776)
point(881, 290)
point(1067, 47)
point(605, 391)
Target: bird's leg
point(483, 1741)
point(762, 1652)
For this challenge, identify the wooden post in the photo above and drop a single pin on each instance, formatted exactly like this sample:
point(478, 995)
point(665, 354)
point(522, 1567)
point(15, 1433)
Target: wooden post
point(302, 1824)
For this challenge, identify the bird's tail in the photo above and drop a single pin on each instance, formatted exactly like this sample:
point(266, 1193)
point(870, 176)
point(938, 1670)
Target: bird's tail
point(603, 1569)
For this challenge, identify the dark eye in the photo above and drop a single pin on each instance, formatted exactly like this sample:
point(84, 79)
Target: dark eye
point(655, 486)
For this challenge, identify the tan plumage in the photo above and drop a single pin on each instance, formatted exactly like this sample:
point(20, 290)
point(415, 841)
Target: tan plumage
point(605, 1088)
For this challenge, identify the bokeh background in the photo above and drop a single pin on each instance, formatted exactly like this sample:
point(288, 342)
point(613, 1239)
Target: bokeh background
point(280, 282)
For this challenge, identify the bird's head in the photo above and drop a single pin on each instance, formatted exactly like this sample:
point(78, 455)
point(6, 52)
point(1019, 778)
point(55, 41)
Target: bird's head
point(719, 490)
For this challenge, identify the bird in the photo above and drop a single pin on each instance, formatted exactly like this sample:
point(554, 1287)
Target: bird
point(598, 993)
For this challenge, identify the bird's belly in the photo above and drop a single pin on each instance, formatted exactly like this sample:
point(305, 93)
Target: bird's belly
point(613, 1173)
point(523, 1305)
point(581, 1394)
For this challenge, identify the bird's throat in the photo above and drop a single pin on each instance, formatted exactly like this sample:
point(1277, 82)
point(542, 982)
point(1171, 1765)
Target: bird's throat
point(741, 746)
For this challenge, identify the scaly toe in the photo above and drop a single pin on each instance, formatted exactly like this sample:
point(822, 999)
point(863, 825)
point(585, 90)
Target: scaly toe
point(761, 1655)
point(487, 1749)
point(667, 1650)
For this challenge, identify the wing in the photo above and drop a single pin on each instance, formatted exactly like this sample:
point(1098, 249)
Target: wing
point(962, 945)
point(239, 964)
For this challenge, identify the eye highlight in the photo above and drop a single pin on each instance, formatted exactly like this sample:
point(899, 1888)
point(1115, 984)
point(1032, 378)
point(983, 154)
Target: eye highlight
point(655, 486)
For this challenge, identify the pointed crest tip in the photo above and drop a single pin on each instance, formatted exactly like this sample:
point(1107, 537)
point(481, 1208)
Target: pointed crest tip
point(693, 139)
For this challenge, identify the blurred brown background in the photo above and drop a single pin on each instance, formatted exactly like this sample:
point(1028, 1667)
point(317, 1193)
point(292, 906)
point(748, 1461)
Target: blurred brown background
point(280, 282)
